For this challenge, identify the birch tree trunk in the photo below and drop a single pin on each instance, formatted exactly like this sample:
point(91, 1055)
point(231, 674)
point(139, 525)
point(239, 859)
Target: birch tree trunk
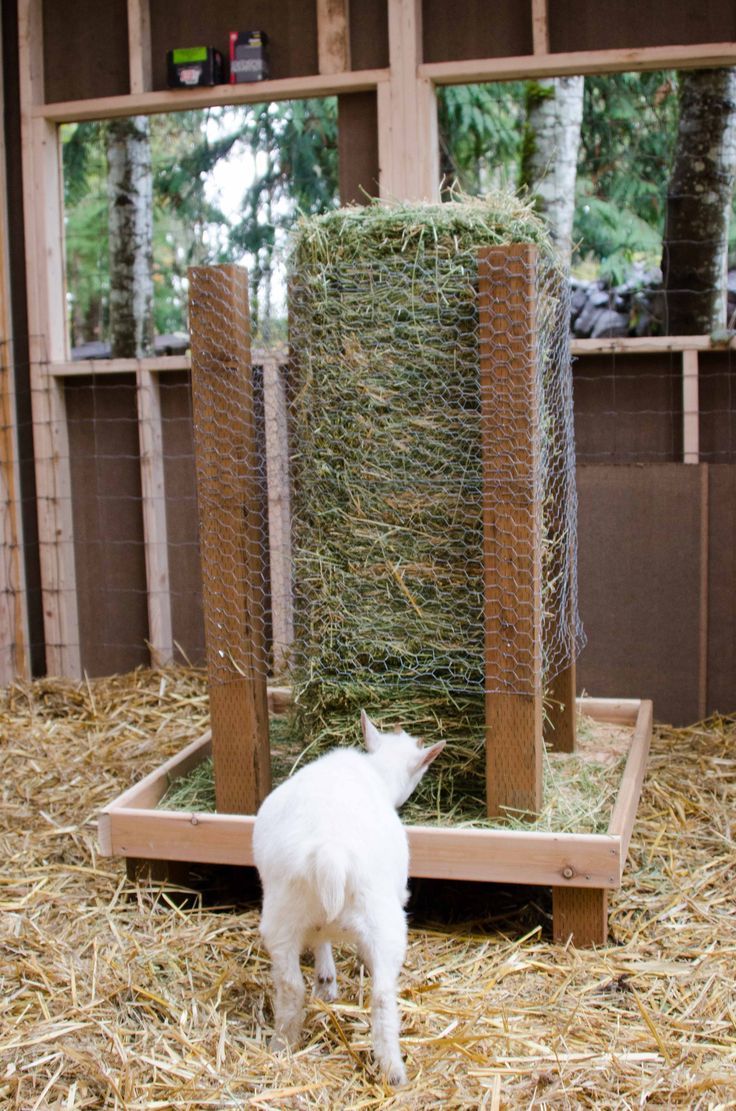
point(550, 156)
point(130, 226)
point(695, 246)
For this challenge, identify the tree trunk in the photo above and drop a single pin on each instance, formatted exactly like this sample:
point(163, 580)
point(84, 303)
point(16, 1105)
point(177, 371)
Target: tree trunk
point(550, 155)
point(130, 216)
point(695, 246)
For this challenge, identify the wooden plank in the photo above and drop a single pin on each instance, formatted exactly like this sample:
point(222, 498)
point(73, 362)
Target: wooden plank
point(83, 368)
point(629, 792)
point(333, 36)
point(153, 491)
point(648, 345)
point(14, 633)
point(489, 856)
point(511, 529)
point(690, 408)
point(179, 100)
point(43, 210)
point(540, 27)
point(279, 513)
point(580, 916)
point(615, 711)
point(580, 61)
point(231, 535)
point(139, 46)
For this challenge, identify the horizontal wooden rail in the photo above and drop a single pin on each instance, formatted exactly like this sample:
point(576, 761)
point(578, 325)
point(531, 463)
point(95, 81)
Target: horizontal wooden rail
point(177, 100)
point(472, 71)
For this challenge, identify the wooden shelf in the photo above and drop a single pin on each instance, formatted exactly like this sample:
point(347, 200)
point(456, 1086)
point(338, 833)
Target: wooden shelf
point(179, 100)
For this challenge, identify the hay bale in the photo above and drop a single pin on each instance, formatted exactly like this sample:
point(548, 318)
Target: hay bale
point(387, 465)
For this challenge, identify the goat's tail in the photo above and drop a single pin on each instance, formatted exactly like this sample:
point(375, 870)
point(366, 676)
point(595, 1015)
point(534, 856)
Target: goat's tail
point(330, 871)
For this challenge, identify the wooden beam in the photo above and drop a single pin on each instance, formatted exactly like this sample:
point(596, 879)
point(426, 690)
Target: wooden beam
point(512, 543)
point(615, 711)
point(560, 724)
point(83, 368)
point(43, 216)
point(155, 532)
point(279, 513)
point(179, 100)
point(231, 535)
point(690, 407)
point(540, 27)
point(139, 46)
point(333, 36)
point(407, 113)
point(562, 64)
point(704, 600)
point(648, 345)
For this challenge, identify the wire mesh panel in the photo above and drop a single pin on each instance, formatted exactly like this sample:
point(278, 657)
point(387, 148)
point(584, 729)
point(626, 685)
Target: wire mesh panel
point(402, 450)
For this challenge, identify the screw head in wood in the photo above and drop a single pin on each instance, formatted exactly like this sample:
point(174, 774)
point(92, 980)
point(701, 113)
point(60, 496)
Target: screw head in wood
point(568, 872)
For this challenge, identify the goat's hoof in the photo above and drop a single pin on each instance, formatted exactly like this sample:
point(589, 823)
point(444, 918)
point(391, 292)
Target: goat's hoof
point(279, 1043)
point(325, 988)
point(396, 1076)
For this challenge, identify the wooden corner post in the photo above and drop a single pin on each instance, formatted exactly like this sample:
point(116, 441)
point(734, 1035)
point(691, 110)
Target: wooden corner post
point(231, 535)
point(512, 541)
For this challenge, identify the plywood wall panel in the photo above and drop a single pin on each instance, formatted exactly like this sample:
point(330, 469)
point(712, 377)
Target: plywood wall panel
point(582, 25)
point(358, 147)
point(291, 28)
point(639, 578)
point(108, 523)
point(628, 408)
point(721, 687)
point(85, 49)
point(368, 34)
point(717, 402)
point(473, 29)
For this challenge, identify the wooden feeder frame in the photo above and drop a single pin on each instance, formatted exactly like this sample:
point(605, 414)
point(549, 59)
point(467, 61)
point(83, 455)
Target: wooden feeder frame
point(580, 868)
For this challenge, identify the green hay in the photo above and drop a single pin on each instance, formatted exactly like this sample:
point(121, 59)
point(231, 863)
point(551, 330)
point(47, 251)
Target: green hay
point(579, 788)
point(388, 529)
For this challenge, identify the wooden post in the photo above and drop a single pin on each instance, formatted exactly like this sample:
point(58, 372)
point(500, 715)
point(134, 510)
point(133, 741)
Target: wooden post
point(511, 528)
point(44, 237)
point(540, 27)
point(690, 408)
point(139, 46)
point(231, 535)
point(580, 914)
point(560, 726)
point(155, 533)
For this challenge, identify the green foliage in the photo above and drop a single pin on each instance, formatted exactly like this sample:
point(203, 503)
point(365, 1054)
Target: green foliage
point(480, 134)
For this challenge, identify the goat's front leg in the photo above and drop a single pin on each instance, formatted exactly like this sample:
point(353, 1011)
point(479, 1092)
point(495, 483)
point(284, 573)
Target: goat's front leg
point(325, 974)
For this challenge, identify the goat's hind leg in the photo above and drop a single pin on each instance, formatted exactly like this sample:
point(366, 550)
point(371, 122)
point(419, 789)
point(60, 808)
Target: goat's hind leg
point(383, 946)
point(284, 947)
point(325, 974)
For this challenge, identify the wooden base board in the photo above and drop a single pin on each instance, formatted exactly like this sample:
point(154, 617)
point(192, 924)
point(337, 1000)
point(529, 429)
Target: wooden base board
point(579, 867)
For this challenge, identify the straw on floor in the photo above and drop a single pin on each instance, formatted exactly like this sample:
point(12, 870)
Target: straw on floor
point(117, 996)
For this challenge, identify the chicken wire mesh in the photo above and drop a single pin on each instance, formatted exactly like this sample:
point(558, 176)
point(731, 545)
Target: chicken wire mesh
point(434, 509)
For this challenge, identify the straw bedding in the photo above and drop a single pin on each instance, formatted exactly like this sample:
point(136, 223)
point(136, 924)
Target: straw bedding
point(116, 996)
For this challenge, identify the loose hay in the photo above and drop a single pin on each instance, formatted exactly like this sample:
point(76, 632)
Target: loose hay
point(116, 996)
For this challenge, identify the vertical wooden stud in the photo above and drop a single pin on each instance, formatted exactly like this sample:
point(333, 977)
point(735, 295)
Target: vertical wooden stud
point(560, 726)
point(511, 528)
point(231, 534)
point(540, 27)
point(580, 914)
point(155, 536)
point(43, 213)
point(690, 408)
point(407, 113)
point(279, 513)
point(139, 46)
point(333, 36)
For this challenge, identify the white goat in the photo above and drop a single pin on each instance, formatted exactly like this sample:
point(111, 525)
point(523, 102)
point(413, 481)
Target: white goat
point(333, 858)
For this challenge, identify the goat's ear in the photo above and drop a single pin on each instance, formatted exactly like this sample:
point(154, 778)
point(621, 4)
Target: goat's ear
point(427, 755)
point(371, 735)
